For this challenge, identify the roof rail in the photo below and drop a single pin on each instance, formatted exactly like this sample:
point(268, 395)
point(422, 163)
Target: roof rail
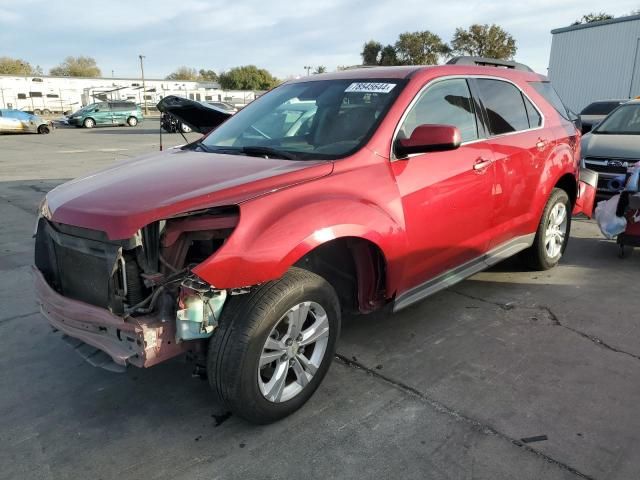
point(488, 62)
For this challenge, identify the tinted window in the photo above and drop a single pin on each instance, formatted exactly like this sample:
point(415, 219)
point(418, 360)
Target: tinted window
point(35, 94)
point(600, 108)
point(447, 102)
point(22, 96)
point(505, 107)
point(52, 95)
point(535, 119)
point(550, 95)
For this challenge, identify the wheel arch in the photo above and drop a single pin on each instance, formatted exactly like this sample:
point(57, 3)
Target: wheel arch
point(355, 267)
point(569, 184)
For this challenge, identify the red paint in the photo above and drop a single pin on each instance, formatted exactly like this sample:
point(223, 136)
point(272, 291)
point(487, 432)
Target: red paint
point(427, 214)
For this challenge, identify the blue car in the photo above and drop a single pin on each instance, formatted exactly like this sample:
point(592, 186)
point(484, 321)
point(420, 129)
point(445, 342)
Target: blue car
point(15, 121)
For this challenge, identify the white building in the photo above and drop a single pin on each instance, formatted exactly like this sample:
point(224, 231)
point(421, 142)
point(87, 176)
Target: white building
point(596, 61)
point(46, 94)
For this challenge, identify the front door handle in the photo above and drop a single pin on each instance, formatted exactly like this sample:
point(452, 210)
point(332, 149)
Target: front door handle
point(481, 163)
point(541, 144)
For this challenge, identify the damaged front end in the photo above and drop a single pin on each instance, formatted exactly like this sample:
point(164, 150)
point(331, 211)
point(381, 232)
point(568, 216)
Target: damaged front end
point(135, 300)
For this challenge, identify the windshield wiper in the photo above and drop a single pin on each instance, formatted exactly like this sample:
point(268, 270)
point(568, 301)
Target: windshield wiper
point(268, 152)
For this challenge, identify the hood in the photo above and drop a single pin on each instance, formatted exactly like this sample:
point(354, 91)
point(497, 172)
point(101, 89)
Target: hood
point(611, 146)
point(125, 197)
point(201, 117)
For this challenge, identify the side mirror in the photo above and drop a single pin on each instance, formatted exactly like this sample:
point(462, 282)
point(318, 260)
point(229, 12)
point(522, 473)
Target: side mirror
point(96, 110)
point(429, 138)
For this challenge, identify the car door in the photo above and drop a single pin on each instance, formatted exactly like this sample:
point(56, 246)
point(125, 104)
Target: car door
point(10, 121)
point(119, 113)
point(520, 146)
point(446, 196)
point(102, 114)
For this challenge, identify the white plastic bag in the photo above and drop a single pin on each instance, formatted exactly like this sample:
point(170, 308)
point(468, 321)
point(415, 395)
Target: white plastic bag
point(610, 224)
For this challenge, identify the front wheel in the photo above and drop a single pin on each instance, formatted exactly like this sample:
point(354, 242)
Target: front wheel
point(89, 123)
point(274, 345)
point(43, 129)
point(553, 232)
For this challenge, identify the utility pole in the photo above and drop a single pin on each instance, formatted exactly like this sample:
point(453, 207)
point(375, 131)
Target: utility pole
point(146, 112)
point(308, 69)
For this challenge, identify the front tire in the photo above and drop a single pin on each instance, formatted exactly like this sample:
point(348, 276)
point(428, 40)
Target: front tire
point(553, 233)
point(273, 346)
point(43, 129)
point(89, 123)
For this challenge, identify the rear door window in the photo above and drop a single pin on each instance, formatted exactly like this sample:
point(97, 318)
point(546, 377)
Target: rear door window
point(504, 104)
point(446, 102)
point(600, 108)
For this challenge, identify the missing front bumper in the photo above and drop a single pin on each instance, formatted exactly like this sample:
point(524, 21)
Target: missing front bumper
point(141, 341)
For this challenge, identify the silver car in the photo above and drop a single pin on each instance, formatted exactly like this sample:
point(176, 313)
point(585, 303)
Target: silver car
point(16, 121)
point(613, 147)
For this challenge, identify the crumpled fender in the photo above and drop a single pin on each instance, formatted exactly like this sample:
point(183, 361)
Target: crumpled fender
point(275, 232)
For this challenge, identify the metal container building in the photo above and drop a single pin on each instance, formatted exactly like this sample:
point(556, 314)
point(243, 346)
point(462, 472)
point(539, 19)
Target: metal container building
point(596, 61)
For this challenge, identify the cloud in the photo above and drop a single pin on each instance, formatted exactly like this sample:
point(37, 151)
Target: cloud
point(281, 35)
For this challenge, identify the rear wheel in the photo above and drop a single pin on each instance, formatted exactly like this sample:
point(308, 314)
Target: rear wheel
point(274, 345)
point(132, 121)
point(89, 123)
point(552, 234)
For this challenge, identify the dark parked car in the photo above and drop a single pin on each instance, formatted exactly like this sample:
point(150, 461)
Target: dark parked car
point(613, 147)
point(595, 112)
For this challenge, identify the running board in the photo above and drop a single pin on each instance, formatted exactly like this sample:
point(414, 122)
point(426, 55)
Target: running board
point(455, 275)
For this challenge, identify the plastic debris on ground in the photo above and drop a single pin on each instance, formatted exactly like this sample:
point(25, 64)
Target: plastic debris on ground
point(612, 214)
point(610, 224)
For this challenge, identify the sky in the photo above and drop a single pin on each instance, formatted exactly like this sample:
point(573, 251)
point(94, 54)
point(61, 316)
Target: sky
point(282, 36)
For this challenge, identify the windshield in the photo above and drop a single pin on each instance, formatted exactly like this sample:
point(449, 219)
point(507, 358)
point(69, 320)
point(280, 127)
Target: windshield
point(323, 119)
point(625, 120)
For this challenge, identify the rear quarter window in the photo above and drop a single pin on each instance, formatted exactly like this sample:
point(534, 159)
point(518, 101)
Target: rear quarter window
point(546, 90)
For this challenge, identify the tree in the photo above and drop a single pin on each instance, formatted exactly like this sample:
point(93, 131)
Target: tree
point(388, 56)
point(247, 77)
point(370, 52)
point(17, 66)
point(320, 69)
point(183, 73)
point(484, 41)
point(593, 17)
point(419, 48)
point(76, 67)
point(207, 75)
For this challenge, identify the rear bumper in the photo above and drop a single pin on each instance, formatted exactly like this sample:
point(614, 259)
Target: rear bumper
point(141, 341)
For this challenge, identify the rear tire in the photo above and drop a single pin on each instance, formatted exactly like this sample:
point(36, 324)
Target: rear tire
point(89, 123)
point(273, 346)
point(553, 233)
point(132, 121)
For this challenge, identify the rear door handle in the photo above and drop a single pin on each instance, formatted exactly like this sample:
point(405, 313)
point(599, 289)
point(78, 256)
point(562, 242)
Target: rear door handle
point(481, 163)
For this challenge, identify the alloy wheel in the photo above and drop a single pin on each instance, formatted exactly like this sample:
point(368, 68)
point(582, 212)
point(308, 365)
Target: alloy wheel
point(556, 230)
point(293, 352)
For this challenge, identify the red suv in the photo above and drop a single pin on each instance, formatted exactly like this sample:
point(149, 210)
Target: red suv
point(343, 192)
